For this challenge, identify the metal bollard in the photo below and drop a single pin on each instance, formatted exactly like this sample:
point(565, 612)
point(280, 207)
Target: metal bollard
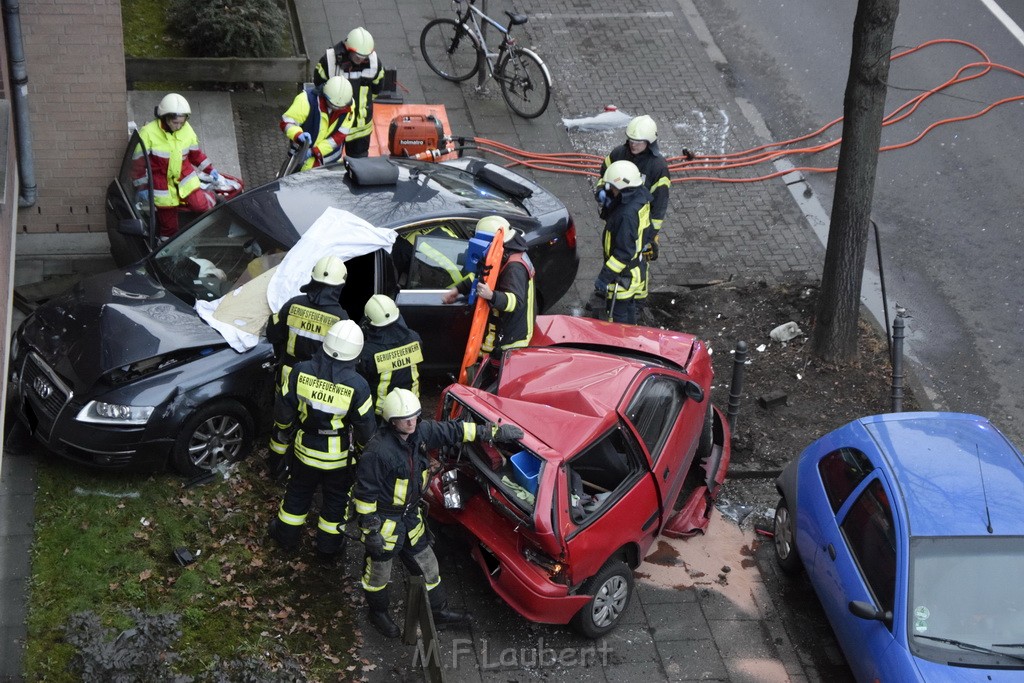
point(736, 387)
point(898, 335)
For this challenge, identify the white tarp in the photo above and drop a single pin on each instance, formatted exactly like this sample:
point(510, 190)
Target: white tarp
point(241, 316)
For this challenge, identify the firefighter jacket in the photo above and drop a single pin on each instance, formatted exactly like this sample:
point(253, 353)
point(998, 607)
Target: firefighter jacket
point(654, 167)
point(175, 159)
point(366, 79)
point(513, 306)
point(297, 331)
point(625, 234)
point(392, 474)
point(321, 400)
point(308, 113)
point(390, 359)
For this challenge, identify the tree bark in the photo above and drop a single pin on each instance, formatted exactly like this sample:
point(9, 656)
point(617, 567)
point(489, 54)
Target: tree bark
point(835, 331)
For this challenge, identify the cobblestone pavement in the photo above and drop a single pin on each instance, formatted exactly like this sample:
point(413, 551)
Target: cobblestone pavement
point(650, 57)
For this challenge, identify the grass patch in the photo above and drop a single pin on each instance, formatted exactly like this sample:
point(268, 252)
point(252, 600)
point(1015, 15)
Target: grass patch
point(146, 32)
point(104, 544)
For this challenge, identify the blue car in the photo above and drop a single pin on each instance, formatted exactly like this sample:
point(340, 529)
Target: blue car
point(910, 527)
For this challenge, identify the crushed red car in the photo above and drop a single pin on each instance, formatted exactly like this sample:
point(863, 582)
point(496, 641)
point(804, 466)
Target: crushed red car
point(621, 444)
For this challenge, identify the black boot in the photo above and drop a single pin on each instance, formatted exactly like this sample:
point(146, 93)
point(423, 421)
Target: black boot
point(286, 537)
point(380, 614)
point(443, 614)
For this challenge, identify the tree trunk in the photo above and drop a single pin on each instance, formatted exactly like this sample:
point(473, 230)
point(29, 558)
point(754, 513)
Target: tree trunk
point(835, 331)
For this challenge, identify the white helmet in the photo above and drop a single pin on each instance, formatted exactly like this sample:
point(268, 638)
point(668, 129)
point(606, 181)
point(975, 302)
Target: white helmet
point(359, 41)
point(400, 404)
point(173, 104)
point(622, 174)
point(330, 270)
point(642, 128)
point(381, 310)
point(338, 91)
point(344, 340)
point(488, 225)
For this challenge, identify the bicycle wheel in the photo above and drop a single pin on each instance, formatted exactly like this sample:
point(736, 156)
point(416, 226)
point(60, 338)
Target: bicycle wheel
point(449, 50)
point(525, 82)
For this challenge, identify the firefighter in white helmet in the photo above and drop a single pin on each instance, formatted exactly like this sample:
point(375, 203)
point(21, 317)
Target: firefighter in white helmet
point(298, 329)
point(321, 119)
point(626, 228)
point(641, 147)
point(356, 60)
point(329, 405)
point(176, 161)
point(392, 352)
point(393, 473)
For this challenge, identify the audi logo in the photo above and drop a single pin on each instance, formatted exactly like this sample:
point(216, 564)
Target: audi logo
point(42, 387)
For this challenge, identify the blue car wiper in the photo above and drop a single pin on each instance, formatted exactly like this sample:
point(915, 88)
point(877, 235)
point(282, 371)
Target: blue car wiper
point(972, 647)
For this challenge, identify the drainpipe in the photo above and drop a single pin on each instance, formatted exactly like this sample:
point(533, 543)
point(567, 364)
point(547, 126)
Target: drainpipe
point(19, 102)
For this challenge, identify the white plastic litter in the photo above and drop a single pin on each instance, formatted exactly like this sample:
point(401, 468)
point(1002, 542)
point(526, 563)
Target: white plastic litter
point(786, 331)
point(761, 348)
point(606, 120)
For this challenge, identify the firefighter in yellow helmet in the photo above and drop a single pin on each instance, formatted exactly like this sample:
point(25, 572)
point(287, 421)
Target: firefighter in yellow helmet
point(327, 403)
point(176, 161)
point(356, 60)
point(321, 118)
point(626, 228)
point(392, 352)
point(392, 475)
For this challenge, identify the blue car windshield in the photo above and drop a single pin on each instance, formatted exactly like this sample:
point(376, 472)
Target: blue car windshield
point(967, 590)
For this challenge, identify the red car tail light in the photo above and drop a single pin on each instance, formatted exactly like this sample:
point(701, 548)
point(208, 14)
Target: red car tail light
point(554, 568)
point(570, 234)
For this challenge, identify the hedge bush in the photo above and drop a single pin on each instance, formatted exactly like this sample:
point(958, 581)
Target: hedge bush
point(228, 28)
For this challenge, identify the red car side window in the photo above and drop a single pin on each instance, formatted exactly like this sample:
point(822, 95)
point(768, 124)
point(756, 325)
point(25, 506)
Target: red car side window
point(841, 471)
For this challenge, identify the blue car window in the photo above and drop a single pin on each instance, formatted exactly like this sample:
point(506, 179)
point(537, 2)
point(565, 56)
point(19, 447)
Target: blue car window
point(654, 411)
point(841, 471)
point(868, 528)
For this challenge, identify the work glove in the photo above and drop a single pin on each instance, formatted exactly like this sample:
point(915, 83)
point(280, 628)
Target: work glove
point(374, 544)
point(650, 252)
point(142, 196)
point(215, 176)
point(490, 432)
point(304, 137)
point(277, 466)
point(601, 196)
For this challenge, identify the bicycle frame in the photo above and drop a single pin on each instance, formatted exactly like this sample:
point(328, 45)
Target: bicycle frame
point(471, 20)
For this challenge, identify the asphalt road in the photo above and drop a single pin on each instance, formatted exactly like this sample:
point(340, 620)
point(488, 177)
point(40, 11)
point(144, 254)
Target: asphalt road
point(948, 207)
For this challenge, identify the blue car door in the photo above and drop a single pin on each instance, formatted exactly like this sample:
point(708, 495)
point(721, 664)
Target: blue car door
point(856, 559)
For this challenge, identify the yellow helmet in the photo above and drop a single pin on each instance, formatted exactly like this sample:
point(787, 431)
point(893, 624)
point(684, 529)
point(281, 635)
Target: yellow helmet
point(359, 41)
point(488, 225)
point(642, 128)
point(400, 404)
point(381, 310)
point(344, 340)
point(330, 270)
point(338, 91)
point(622, 174)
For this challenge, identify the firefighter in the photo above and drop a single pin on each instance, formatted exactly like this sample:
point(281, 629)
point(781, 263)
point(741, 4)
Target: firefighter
point(322, 119)
point(512, 301)
point(391, 352)
point(176, 161)
point(323, 399)
point(626, 229)
point(355, 59)
point(641, 147)
point(393, 472)
point(298, 330)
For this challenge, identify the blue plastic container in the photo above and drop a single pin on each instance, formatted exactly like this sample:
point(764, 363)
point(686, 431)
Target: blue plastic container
point(525, 468)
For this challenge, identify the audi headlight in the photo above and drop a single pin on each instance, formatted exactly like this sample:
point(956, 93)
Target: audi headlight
point(114, 413)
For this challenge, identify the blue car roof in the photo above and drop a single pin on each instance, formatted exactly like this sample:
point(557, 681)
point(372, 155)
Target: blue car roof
point(949, 467)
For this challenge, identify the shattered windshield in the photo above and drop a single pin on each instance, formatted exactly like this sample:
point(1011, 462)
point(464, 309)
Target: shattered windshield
point(967, 591)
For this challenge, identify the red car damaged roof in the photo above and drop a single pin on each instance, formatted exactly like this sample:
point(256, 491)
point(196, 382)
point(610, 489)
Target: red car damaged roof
point(564, 398)
point(674, 347)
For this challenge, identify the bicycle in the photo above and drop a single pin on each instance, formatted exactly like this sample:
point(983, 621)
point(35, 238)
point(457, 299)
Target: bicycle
point(455, 48)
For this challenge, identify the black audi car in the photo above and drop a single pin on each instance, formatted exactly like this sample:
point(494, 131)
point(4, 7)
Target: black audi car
point(121, 371)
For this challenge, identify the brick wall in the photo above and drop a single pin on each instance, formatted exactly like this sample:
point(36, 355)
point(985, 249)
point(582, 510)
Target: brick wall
point(77, 98)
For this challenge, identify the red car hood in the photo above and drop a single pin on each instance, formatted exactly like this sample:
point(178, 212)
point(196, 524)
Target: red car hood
point(551, 330)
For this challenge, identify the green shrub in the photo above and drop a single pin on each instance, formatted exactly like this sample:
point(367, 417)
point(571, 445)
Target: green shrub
point(228, 28)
